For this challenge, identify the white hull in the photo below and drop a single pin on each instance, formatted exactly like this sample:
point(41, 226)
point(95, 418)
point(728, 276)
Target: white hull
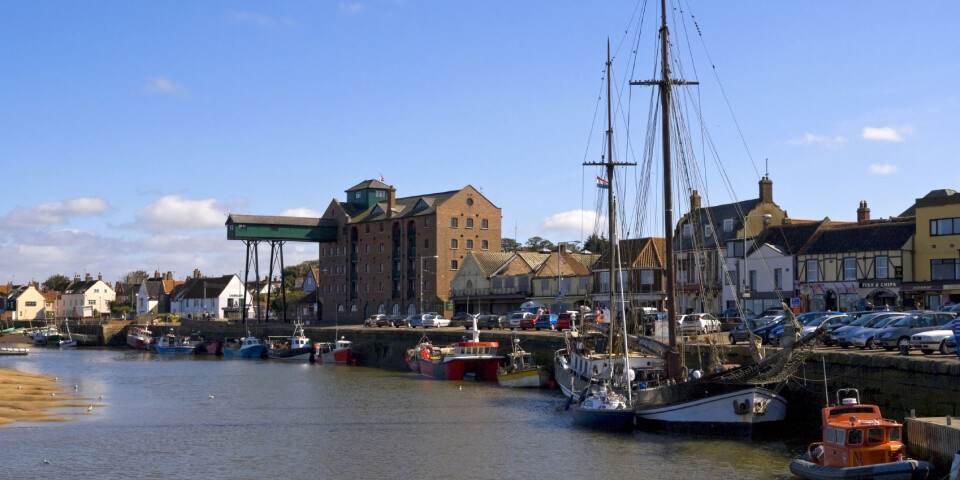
point(747, 406)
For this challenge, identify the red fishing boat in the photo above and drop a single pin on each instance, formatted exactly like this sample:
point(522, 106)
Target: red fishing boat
point(455, 361)
point(858, 443)
point(414, 354)
point(333, 352)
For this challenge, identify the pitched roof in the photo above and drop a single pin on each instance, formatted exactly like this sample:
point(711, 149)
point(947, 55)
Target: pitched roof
point(50, 295)
point(402, 207)
point(370, 184)
point(861, 238)
point(562, 263)
point(647, 252)
point(80, 286)
point(204, 287)
point(791, 237)
point(523, 263)
point(587, 259)
point(490, 262)
point(714, 216)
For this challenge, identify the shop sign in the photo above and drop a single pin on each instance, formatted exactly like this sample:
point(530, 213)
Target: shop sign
point(879, 283)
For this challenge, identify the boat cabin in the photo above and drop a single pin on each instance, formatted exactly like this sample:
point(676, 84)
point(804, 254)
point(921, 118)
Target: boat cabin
point(856, 435)
point(476, 348)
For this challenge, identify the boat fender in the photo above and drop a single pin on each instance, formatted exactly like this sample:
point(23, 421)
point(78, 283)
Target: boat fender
point(817, 454)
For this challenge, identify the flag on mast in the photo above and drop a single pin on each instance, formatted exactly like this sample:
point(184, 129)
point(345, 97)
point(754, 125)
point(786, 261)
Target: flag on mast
point(601, 183)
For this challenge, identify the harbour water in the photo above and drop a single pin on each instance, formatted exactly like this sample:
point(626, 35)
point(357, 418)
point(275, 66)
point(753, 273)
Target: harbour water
point(269, 419)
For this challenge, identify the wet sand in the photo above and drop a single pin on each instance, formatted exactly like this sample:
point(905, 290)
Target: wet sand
point(27, 397)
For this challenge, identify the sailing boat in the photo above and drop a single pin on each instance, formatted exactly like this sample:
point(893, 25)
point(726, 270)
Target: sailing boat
point(67, 341)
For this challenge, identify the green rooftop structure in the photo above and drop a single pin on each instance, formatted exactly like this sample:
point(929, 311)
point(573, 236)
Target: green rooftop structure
point(275, 230)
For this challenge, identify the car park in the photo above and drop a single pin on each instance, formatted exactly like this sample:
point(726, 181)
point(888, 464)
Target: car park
point(771, 312)
point(935, 340)
point(493, 321)
point(529, 322)
point(808, 321)
point(898, 333)
point(698, 323)
point(517, 317)
point(742, 332)
point(865, 337)
point(398, 321)
point(371, 321)
point(383, 321)
point(415, 320)
point(459, 319)
point(842, 334)
point(546, 321)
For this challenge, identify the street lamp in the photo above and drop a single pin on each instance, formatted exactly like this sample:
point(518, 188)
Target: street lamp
point(421, 279)
point(746, 294)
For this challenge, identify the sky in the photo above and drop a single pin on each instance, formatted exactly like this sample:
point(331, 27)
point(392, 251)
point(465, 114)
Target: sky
point(130, 130)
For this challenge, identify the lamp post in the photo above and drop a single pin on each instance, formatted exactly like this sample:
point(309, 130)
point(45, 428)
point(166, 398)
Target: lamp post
point(746, 294)
point(421, 279)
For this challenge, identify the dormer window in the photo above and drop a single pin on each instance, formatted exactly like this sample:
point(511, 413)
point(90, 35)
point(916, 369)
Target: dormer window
point(708, 230)
point(356, 195)
point(728, 225)
point(687, 230)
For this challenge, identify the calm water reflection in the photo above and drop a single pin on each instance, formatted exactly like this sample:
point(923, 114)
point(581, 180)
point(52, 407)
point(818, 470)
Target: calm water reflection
point(274, 420)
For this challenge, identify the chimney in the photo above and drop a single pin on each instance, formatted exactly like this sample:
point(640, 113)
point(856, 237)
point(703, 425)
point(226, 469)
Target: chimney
point(863, 213)
point(694, 201)
point(391, 200)
point(99, 276)
point(196, 273)
point(766, 190)
point(563, 248)
point(169, 276)
point(156, 274)
point(89, 277)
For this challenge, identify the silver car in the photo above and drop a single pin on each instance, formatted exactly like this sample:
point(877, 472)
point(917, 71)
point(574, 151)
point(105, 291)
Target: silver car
point(898, 334)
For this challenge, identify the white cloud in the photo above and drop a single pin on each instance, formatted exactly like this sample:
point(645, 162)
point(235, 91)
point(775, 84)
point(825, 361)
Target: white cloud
point(262, 20)
point(173, 212)
point(811, 139)
point(350, 8)
point(54, 213)
point(886, 134)
point(572, 222)
point(165, 86)
point(301, 212)
point(884, 169)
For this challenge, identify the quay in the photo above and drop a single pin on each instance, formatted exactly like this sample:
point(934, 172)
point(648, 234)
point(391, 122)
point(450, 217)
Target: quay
point(933, 438)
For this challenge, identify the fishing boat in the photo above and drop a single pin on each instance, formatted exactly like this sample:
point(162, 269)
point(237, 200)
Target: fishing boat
point(246, 347)
point(422, 350)
point(48, 335)
point(173, 344)
point(139, 337)
point(457, 360)
point(521, 369)
point(333, 352)
point(294, 347)
point(858, 443)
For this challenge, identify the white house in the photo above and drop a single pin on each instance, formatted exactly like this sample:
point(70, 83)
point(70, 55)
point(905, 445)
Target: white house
point(86, 298)
point(210, 295)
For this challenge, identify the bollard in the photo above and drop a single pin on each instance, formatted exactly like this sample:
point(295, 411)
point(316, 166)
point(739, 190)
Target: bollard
point(913, 413)
point(949, 420)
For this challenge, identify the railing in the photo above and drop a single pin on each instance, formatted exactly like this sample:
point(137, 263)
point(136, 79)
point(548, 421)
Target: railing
point(479, 292)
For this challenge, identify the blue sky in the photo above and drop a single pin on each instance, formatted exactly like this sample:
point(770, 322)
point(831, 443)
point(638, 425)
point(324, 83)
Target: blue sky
point(130, 129)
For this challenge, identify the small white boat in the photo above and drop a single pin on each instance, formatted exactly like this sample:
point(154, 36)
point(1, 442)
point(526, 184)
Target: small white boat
point(67, 341)
point(171, 343)
point(14, 351)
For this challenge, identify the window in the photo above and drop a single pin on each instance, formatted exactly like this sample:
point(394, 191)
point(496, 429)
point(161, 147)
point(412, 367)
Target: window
point(855, 437)
point(708, 230)
point(849, 268)
point(453, 243)
point(366, 228)
point(728, 225)
point(94, 302)
point(426, 222)
point(497, 282)
point(30, 304)
point(735, 249)
point(367, 249)
point(812, 274)
point(426, 243)
point(469, 223)
point(356, 195)
point(367, 269)
point(453, 264)
point(484, 245)
point(484, 224)
point(381, 268)
point(366, 288)
point(583, 283)
point(945, 226)
point(469, 244)
point(454, 222)
point(646, 277)
point(880, 267)
point(778, 278)
point(426, 285)
point(545, 284)
point(381, 288)
point(381, 248)
point(381, 227)
point(687, 229)
point(469, 201)
point(945, 269)
point(753, 280)
point(381, 194)
point(96, 290)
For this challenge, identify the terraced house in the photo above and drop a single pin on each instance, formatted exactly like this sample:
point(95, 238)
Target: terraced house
point(398, 255)
point(936, 264)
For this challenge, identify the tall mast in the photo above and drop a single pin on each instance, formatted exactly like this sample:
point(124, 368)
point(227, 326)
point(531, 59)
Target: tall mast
point(611, 211)
point(665, 84)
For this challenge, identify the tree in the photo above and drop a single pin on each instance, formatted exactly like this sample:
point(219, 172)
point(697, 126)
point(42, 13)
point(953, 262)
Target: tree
point(55, 282)
point(536, 244)
point(596, 244)
point(509, 245)
point(137, 276)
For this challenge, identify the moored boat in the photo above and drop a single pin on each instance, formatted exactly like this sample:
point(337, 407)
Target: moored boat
point(599, 408)
point(858, 443)
point(139, 337)
point(171, 343)
point(14, 351)
point(455, 361)
point(333, 352)
point(247, 347)
point(521, 369)
point(67, 341)
point(294, 347)
point(415, 354)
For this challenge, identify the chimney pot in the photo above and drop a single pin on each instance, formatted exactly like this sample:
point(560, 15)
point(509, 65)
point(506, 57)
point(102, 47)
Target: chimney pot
point(863, 213)
point(766, 190)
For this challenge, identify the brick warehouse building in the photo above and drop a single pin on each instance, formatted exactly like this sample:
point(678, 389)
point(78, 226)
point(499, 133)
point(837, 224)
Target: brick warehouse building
point(391, 252)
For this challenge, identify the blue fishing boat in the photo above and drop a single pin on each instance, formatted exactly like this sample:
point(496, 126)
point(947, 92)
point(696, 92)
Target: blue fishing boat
point(249, 347)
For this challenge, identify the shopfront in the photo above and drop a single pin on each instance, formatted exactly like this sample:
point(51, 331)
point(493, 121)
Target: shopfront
point(930, 295)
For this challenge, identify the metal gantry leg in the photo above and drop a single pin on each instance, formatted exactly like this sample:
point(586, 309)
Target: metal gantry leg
point(255, 259)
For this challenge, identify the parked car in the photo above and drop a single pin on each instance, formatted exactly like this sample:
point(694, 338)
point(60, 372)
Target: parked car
point(415, 320)
point(742, 332)
point(935, 340)
point(371, 321)
point(771, 312)
point(848, 327)
point(732, 317)
point(493, 321)
point(865, 337)
point(764, 332)
point(398, 321)
point(459, 319)
point(567, 320)
point(529, 322)
point(467, 323)
point(383, 321)
point(843, 337)
point(699, 323)
point(517, 317)
point(435, 320)
point(547, 321)
point(593, 318)
point(650, 321)
point(898, 333)
point(808, 321)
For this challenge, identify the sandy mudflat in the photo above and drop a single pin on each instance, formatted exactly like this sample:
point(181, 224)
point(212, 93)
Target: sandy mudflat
point(26, 397)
